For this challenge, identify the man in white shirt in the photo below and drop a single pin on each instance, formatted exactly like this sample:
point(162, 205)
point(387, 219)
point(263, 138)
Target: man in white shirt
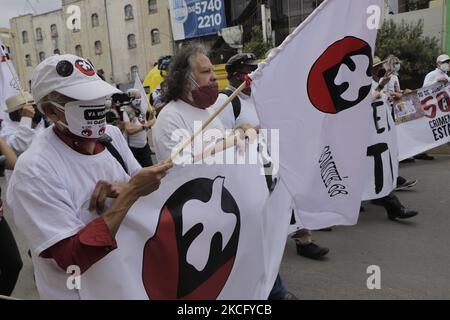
point(191, 89)
point(440, 73)
point(26, 122)
point(61, 188)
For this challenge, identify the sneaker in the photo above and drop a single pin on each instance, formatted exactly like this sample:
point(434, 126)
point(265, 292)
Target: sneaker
point(311, 250)
point(423, 156)
point(401, 213)
point(406, 185)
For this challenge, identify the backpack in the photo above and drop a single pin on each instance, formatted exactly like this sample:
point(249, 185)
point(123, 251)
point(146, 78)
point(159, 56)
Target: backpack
point(236, 102)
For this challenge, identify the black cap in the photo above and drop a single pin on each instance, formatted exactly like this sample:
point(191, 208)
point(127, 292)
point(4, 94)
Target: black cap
point(240, 60)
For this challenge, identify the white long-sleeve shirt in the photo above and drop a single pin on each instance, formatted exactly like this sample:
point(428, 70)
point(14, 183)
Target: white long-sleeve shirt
point(434, 76)
point(19, 135)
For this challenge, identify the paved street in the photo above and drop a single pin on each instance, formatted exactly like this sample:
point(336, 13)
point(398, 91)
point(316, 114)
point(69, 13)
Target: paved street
point(414, 256)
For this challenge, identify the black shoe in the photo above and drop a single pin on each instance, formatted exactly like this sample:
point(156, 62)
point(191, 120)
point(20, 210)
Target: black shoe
point(401, 213)
point(406, 185)
point(290, 296)
point(409, 160)
point(423, 156)
point(311, 250)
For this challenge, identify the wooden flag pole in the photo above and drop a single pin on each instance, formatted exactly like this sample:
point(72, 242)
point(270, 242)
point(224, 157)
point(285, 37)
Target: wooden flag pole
point(208, 121)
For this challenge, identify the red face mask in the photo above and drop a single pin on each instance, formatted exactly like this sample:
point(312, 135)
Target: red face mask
point(204, 97)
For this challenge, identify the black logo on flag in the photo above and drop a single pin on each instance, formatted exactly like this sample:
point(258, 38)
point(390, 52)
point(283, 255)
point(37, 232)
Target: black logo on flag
point(170, 271)
point(341, 78)
point(85, 67)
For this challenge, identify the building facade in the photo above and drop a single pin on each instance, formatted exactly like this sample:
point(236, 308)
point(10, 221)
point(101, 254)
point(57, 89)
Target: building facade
point(121, 38)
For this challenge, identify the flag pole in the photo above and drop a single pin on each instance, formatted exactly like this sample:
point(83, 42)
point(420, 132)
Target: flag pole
point(208, 121)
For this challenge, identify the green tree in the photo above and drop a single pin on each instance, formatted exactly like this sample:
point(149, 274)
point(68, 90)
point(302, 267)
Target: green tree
point(407, 42)
point(256, 45)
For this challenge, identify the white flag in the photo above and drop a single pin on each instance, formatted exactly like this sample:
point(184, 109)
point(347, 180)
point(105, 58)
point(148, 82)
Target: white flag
point(315, 88)
point(209, 232)
point(9, 81)
point(144, 100)
point(382, 153)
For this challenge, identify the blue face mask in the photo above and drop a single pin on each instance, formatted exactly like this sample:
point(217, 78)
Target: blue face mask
point(397, 67)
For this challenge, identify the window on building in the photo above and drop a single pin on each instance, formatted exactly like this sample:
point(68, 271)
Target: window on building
point(56, 51)
point(54, 31)
point(78, 50)
point(24, 37)
point(129, 12)
point(39, 34)
point(155, 37)
point(41, 56)
point(75, 25)
point(134, 72)
point(94, 20)
point(28, 61)
point(131, 41)
point(98, 47)
point(152, 6)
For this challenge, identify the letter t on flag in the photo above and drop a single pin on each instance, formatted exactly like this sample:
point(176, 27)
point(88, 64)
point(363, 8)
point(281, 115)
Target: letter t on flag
point(315, 88)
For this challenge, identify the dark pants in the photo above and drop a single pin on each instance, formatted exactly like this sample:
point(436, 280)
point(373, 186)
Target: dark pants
point(390, 202)
point(10, 261)
point(278, 291)
point(143, 156)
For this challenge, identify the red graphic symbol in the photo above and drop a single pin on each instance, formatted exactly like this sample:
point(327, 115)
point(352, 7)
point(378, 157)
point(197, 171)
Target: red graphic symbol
point(341, 77)
point(85, 67)
point(170, 269)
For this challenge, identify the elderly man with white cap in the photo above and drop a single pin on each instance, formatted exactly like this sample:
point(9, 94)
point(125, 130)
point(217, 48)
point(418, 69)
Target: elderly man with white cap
point(440, 73)
point(59, 191)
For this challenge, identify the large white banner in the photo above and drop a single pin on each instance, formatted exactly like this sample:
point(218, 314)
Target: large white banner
point(382, 152)
point(315, 88)
point(209, 232)
point(9, 81)
point(423, 120)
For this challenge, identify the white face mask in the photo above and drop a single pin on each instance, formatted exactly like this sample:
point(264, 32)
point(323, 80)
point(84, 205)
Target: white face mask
point(397, 67)
point(136, 103)
point(85, 119)
point(445, 67)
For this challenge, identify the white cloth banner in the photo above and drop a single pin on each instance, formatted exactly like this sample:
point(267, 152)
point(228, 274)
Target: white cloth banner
point(209, 232)
point(315, 88)
point(423, 120)
point(9, 81)
point(144, 99)
point(382, 152)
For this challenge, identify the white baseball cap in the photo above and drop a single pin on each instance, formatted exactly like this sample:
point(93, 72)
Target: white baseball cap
point(442, 58)
point(71, 76)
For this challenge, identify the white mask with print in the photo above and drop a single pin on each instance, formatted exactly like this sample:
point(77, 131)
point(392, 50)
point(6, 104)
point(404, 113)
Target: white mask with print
point(85, 119)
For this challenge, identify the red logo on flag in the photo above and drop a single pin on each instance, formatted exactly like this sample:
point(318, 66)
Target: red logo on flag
point(341, 78)
point(170, 271)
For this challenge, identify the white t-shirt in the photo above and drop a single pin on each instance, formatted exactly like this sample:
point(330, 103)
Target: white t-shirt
point(393, 85)
point(19, 136)
point(138, 140)
point(49, 194)
point(177, 122)
point(433, 77)
point(248, 114)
